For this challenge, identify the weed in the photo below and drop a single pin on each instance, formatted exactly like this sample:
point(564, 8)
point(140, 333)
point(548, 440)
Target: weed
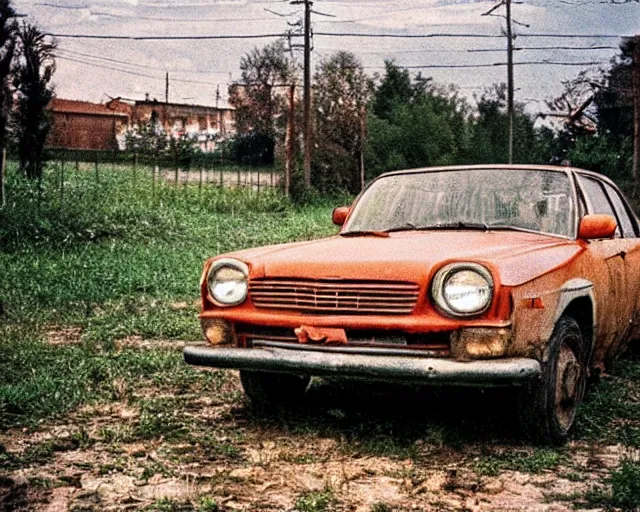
point(315, 501)
point(623, 490)
point(381, 507)
point(534, 461)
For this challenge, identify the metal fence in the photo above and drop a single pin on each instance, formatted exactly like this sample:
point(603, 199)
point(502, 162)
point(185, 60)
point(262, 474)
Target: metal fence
point(196, 170)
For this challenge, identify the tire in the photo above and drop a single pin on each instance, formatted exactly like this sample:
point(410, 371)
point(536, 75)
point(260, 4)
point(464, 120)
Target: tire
point(547, 407)
point(267, 390)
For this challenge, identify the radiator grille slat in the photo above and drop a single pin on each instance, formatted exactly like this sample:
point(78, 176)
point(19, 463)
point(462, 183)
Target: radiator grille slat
point(340, 296)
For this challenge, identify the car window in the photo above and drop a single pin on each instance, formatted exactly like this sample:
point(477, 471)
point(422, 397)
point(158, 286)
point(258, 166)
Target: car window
point(539, 201)
point(597, 199)
point(627, 225)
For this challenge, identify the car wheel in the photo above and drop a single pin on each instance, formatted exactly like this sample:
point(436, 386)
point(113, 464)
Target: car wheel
point(548, 406)
point(266, 389)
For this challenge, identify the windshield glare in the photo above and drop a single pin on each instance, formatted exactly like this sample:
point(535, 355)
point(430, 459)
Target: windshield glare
point(523, 199)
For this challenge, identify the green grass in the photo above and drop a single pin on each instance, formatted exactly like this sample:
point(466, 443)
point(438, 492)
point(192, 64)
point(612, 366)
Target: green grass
point(622, 490)
point(116, 260)
point(610, 412)
point(525, 461)
point(315, 501)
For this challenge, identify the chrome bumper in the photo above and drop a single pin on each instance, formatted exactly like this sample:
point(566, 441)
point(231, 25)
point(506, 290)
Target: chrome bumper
point(369, 366)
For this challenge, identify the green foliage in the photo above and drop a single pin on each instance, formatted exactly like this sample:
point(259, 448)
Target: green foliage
point(534, 461)
point(315, 501)
point(623, 491)
point(114, 262)
point(32, 77)
point(419, 125)
point(610, 412)
point(343, 91)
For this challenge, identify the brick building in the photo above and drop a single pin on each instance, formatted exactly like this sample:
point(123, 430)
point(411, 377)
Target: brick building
point(202, 123)
point(84, 125)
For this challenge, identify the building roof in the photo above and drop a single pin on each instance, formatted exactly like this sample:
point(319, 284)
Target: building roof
point(83, 107)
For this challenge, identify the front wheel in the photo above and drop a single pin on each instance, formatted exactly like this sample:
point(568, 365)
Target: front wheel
point(548, 406)
point(266, 389)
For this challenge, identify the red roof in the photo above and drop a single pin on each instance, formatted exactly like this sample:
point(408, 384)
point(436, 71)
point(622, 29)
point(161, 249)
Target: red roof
point(83, 107)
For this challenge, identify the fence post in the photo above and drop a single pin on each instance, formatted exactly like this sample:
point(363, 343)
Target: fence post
point(177, 169)
point(97, 168)
point(201, 173)
point(62, 177)
point(153, 175)
point(239, 180)
point(135, 167)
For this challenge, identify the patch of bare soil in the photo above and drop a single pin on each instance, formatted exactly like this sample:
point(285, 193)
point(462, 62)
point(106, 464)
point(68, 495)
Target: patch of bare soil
point(64, 335)
point(129, 455)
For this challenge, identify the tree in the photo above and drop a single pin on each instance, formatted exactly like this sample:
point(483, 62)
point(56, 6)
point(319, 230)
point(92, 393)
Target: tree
point(259, 98)
point(7, 48)
point(342, 93)
point(32, 81)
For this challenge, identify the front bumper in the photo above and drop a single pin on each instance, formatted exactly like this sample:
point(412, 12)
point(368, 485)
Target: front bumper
point(368, 365)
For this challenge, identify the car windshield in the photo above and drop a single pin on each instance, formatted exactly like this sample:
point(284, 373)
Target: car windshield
point(539, 201)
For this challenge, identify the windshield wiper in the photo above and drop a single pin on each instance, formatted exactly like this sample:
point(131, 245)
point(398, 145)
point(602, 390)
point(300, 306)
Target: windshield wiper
point(364, 232)
point(448, 225)
point(461, 225)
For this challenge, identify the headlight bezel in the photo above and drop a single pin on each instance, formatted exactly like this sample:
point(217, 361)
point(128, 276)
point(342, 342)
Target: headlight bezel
point(218, 265)
point(443, 275)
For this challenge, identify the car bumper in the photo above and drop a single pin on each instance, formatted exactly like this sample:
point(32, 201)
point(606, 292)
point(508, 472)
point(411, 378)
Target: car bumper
point(368, 365)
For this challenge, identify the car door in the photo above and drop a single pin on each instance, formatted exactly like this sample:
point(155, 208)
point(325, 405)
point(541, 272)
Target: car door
point(630, 231)
point(613, 312)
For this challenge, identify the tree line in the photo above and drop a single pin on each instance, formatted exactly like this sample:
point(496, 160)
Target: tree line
point(368, 125)
point(27, 65)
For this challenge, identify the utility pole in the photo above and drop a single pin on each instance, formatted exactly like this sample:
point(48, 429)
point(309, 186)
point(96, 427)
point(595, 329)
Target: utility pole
point(307, 94)
point(510, 102)
point(635, 73)
point(290, 141)
point(510, 86)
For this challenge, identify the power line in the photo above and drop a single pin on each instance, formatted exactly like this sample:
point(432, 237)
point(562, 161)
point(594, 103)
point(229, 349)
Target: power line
point(137, 65)
point(166, 38)
point(331, 34)
point(135, 73)
point(492, 65)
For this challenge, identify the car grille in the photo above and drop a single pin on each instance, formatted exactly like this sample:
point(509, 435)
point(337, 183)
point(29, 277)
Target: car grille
point(335, 296)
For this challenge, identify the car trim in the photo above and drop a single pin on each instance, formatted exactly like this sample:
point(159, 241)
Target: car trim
point(417, 370)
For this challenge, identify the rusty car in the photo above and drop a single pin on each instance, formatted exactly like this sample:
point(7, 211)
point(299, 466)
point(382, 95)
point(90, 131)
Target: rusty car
point(490, 275)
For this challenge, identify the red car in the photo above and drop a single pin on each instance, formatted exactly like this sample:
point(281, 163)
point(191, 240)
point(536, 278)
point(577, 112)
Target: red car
point(523, 276)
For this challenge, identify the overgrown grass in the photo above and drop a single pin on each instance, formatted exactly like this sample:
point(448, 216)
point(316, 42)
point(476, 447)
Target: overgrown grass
point(622, 490)
point(116, 260)
point(610, 412)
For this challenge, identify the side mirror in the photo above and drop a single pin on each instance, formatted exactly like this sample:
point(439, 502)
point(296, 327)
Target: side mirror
point(340, 214)
point(593, 227)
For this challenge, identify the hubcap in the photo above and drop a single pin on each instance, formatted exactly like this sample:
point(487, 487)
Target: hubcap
point(568, 386)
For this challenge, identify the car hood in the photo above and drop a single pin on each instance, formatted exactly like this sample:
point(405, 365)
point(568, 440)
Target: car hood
point(409, 256)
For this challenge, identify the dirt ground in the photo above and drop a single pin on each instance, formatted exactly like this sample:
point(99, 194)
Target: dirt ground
point(351, 447)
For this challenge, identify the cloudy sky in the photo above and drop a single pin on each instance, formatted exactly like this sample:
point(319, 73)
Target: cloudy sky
point(98, 69)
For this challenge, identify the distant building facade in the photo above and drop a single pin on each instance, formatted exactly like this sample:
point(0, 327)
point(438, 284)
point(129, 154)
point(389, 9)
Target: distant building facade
point(96, 126)
point(85, 125)
point(205, 125)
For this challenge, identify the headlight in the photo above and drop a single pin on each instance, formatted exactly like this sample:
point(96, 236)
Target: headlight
point(463, 289)
point(227, 282)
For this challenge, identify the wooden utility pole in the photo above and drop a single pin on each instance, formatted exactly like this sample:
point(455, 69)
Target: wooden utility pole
point(363, 140)
point(307, 94)
point(290, 139)
point(510, 86)
point(510, 102)
point(635, 73)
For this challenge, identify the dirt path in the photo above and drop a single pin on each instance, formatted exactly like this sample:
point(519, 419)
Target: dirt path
point(351, 448)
